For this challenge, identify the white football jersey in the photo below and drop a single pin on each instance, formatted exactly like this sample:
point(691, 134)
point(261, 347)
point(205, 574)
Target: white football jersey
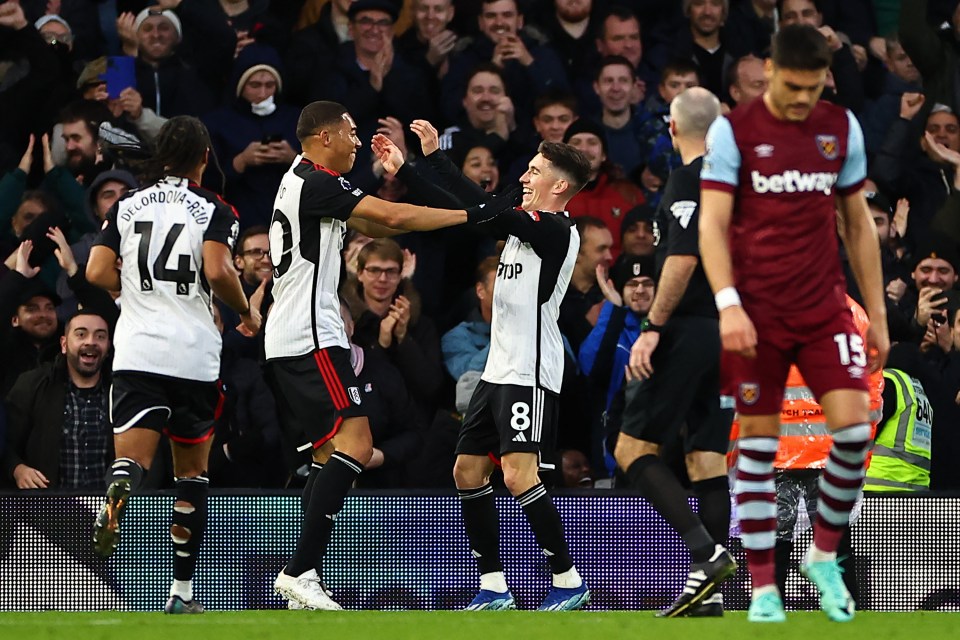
point(166, 324)
point(536, 265)
point(306, 237)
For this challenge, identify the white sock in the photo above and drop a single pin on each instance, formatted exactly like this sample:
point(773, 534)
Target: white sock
point(568, 579)
point(816, 555)
point(770, 588)
point(494, 581)
point(182, 588)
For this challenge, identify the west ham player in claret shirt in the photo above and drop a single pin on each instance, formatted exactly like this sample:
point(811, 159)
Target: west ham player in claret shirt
point(777, 173)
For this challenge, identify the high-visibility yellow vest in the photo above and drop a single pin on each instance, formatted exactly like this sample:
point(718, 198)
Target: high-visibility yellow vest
point(901, 453)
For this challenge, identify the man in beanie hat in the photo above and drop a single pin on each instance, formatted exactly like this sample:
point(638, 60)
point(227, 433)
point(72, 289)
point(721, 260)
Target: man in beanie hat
point(636, 231)
point(254, 135)
point(605, 352)
point(675, 376)
point(934, 269)
point(607, 196)
point(169, 85)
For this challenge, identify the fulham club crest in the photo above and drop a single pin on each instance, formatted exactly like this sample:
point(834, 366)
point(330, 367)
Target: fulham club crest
point(354, 395)
point(829, 146)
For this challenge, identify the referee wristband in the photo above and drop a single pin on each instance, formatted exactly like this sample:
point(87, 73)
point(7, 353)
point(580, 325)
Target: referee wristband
point(646, 325)
point(727, 297)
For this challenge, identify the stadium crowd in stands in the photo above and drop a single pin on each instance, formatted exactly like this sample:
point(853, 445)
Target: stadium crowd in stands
point(82, 88)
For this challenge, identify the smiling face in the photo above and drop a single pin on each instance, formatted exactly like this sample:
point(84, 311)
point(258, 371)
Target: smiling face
point(371, 30)
point(85, 344)
point(37, 317)
point(432, 16)
point(707, 16)
point(481, 167)
point(540, 183)
point(613, 87)
point(592, 147)
point(253, 259)
point(157, 38)
point(552, 122)
point(484, 91)
point(638, 294)
point(500, 18)
point(380, 278)
point(81, 146)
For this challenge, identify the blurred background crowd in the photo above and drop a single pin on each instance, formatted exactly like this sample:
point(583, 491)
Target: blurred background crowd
point(79, 78)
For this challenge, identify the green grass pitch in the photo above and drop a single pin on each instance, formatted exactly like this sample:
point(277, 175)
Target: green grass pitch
point(456, 625)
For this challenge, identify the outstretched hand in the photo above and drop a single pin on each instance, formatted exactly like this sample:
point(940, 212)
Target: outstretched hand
point(387, 153)
point(429, 138)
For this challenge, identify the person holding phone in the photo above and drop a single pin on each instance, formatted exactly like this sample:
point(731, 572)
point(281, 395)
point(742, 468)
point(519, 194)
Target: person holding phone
point(254, 134)
point(934, 272)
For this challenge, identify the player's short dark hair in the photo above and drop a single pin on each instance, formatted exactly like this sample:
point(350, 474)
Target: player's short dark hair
point(486, 67)
point(569, 161)
point(180, 147)
point(582, 223)
point(619, 12)
point(487, 266)
point(800, 47)
point(257, 230)
point(609, 61)
point(317, 115)
point(553, 97)
point(679, 67)
point(383, 248)
point(90, 112)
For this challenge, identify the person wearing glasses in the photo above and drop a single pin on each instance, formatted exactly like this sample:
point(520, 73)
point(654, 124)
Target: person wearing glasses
point(378, 85)
point(251, 258)
point(388, 318)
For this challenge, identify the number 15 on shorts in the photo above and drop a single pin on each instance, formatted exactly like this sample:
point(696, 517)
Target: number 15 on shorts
point(850, 349)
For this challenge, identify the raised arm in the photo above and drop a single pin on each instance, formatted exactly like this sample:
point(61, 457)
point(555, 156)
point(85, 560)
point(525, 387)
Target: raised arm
point(451, 178)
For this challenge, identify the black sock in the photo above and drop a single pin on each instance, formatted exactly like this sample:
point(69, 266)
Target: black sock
point(663, 491)
point(326, 500)
point(713, 498)
point(189, 524)
point(315, 468)
point(482, 522)
point(125, 469)
point(781, 558)
point(547, 527)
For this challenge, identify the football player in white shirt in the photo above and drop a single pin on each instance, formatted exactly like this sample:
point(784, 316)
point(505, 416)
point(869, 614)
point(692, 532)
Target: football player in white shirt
point(174, 240)
point(308, 356)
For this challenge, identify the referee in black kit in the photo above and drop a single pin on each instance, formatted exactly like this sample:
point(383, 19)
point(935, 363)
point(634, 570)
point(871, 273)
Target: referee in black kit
point(674, 376)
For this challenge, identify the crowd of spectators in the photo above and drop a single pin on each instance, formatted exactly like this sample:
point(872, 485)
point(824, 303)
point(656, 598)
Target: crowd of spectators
point(84, 83)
